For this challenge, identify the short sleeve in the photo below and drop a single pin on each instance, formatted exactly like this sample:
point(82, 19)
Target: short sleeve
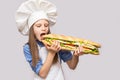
point(28, 57)
point(65, 55)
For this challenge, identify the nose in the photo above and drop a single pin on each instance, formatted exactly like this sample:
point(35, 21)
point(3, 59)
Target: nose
point(43, 27)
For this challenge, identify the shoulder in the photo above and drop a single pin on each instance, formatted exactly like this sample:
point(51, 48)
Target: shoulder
point(27, 52)
point(26, 47)
point(65, 55)
point(64, 51)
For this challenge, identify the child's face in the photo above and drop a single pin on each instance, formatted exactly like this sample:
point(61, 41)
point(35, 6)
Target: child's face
point(41, 27)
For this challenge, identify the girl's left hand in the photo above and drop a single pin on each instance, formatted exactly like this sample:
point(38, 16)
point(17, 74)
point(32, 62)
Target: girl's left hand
point(78, 51)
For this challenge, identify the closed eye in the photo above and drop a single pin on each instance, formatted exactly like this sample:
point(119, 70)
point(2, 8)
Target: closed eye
point(46, 25)
point(38, 25)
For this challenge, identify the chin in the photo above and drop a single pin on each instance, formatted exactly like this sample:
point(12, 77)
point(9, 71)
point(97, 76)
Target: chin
point(39, 39)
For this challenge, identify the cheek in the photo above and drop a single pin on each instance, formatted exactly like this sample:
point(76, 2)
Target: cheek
point(36, 32)
point(48, 30)
point(37, 35)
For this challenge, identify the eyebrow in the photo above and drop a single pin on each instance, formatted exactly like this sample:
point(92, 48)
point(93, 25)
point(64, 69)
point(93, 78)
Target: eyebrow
point(40, 24)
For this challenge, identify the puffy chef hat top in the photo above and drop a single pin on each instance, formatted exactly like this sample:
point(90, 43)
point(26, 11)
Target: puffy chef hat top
point(32, 10)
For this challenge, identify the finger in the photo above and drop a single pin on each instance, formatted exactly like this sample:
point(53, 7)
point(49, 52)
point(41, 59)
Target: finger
point(57, 44)
point(81, 53)
point(47, 46)
point(54, 44)
point(59, 47)
point(75, 53)
point(77, 50)
point(80, 49)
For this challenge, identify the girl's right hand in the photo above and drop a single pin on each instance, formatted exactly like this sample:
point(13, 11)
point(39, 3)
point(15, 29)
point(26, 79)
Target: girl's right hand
point(54, 48)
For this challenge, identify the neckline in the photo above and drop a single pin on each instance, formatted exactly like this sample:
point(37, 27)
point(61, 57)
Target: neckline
point(40, 43)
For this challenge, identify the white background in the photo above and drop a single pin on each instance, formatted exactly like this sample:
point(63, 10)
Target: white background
point(97, 20)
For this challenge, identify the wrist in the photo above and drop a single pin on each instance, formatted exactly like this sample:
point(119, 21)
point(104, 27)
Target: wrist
point(76, 56)
point(51, 53)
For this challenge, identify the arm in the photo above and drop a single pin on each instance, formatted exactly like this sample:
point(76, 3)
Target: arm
point(28, 57)
point(52, 50)
point(41, 69)
point(47, 65)
point(72, 63)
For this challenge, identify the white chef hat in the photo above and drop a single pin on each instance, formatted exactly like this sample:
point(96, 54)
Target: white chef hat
point(33, 10)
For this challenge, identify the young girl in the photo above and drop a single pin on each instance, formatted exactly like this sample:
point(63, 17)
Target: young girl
point(34, 18)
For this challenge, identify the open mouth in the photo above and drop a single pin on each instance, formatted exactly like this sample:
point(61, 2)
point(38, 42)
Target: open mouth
point(42, 34)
